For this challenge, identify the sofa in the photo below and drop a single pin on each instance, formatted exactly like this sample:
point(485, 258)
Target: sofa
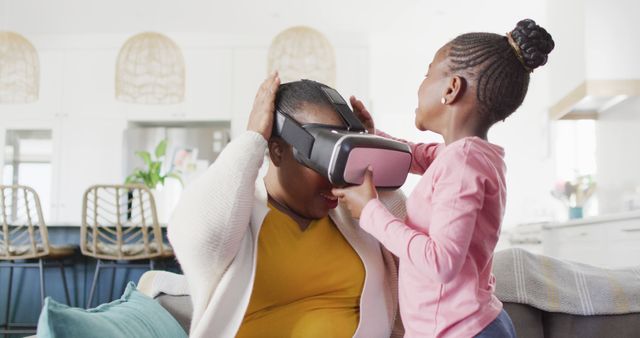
point(534, 317)
point(531, 322)
point(545, 297)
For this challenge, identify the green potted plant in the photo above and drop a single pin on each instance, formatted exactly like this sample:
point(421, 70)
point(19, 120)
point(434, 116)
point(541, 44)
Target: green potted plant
point(152, 176)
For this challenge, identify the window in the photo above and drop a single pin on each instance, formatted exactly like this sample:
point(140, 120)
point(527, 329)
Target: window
point(27, 161)
point(575, 154)
point(575, 148)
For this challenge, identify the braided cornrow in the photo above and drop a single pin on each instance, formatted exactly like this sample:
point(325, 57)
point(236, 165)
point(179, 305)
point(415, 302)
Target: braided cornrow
point(489, 60)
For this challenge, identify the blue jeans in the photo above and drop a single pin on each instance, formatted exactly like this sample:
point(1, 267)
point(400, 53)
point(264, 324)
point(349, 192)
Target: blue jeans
point(501, 327)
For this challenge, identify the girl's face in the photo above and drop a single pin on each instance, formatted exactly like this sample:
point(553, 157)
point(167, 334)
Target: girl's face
point(430, 93)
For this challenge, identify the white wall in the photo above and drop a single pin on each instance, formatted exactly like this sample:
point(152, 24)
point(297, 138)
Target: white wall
point(567, 68)
point(612, 46)
point(617, 156)
point(612, 53)
point(399, 59)
point(596, 40)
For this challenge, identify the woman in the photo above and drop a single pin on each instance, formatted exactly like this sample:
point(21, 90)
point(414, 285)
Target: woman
point(277, 256)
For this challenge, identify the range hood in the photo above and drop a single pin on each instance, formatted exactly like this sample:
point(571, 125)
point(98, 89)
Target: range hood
point(594, 66)
point(594, 97)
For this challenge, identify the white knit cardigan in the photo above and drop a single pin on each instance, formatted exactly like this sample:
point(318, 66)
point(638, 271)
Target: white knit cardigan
point(214, 231)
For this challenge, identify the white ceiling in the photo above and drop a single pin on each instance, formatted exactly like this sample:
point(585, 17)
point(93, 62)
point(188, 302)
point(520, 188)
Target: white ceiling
point(416, 25)
point(213, 16)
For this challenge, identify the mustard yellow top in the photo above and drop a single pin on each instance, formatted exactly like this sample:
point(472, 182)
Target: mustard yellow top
point(307, 284)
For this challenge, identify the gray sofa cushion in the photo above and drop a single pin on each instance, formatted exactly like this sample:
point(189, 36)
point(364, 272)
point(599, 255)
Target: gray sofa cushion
point(179, 307)
point(563, 325)
point(530, 322)
point(526, 319)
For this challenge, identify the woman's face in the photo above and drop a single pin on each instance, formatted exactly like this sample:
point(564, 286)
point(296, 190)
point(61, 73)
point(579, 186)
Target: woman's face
point(430, 93)
point(306, 192)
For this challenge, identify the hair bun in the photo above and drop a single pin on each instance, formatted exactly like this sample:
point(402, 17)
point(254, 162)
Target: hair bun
point(535, 43)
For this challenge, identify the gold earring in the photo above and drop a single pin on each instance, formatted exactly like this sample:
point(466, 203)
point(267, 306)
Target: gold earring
point(443, 100)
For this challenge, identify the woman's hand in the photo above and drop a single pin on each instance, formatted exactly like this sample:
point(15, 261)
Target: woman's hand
point(363, 114)
point(262, 113)
point(357, 197)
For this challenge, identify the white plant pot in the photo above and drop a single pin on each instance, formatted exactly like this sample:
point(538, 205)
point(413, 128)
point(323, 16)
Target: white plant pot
point(166, 197)
point(158, 197)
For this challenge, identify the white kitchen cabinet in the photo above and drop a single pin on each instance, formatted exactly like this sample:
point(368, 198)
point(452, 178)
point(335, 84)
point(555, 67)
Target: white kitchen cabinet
point(49, 103)
point(45, 155)
point(88, 151)
point(89, 83)
point(81, 83)
point(208, 90)
point(353, 72)
point(609, 241)
point(249, 70)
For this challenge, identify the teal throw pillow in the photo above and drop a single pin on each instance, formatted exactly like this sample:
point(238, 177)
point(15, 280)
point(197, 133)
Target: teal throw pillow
point(133, 315)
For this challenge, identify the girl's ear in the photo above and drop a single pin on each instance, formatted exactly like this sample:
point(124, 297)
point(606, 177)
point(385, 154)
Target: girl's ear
point(455, 89)
point(276, 150)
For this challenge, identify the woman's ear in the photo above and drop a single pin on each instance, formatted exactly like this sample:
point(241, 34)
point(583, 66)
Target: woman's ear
point(455, 89)
point(276, 150)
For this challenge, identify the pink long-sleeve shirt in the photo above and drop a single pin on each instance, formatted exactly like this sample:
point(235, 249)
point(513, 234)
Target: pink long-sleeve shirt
point(446, 243)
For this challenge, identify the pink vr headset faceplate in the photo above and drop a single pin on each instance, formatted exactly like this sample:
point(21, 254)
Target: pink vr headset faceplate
point(390, 167)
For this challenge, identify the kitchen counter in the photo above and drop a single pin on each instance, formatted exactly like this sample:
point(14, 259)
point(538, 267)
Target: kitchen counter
point(622, 216)
point(609, 241)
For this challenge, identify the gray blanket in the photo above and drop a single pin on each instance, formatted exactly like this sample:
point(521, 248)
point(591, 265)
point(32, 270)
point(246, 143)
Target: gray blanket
point(560, 286)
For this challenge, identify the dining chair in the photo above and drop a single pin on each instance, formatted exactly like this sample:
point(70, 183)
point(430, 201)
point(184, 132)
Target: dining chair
point(24, 243)
point(120, 229)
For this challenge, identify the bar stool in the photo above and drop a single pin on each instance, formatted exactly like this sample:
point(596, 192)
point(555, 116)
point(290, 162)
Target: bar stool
point(24, 243)
point(119, 229)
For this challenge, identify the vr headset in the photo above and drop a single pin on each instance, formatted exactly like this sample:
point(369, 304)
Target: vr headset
point(343, 153)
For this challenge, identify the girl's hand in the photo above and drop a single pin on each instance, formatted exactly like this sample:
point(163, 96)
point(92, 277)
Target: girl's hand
point(363, 114)
point(262, 113)
point(357, 197)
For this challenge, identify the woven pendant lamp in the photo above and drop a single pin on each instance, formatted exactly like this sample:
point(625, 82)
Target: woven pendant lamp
point(19, 69)
point(302, 53)
point(150, 70)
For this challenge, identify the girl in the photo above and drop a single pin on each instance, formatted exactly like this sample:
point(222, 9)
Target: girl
point(446, 243)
